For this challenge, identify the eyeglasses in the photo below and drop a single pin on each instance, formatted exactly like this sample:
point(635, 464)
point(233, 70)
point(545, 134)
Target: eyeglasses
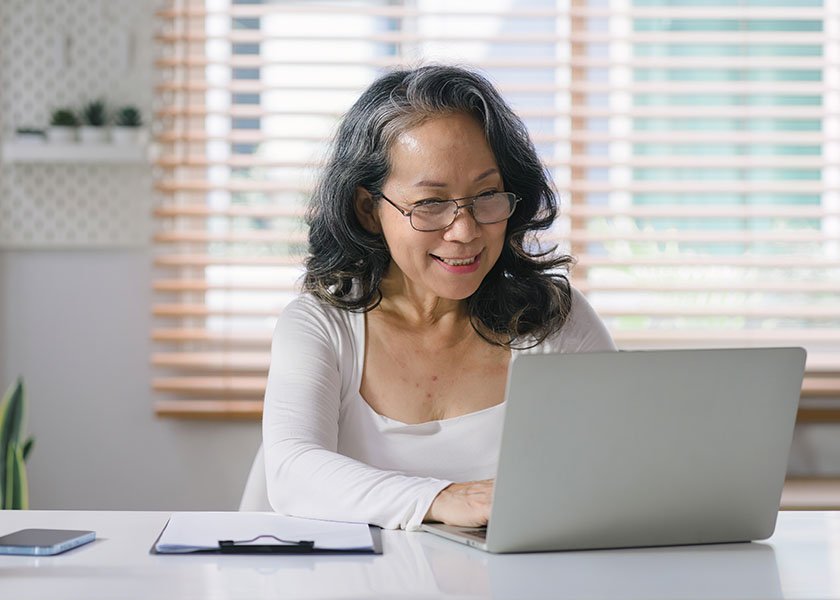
point(434, 215)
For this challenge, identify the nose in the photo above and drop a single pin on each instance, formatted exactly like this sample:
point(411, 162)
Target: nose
point(464, 228)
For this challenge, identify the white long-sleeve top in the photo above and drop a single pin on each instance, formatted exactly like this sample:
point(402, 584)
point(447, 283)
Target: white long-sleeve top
point(329, 455)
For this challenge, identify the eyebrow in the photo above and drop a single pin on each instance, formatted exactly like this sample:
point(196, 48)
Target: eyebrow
point(427, 183)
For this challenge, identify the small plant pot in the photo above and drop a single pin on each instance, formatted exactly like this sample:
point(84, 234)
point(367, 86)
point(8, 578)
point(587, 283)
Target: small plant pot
point(58, 134)
point(125, 136)
point(93, 135)
point(29, 138)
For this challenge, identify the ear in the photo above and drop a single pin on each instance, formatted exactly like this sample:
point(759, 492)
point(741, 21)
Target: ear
point(366, 212)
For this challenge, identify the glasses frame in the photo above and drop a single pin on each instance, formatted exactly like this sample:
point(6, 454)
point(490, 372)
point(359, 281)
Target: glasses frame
point(458, 209)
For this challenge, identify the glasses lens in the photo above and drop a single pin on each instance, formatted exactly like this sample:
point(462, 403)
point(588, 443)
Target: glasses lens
point(493, 207)
point(433, 215)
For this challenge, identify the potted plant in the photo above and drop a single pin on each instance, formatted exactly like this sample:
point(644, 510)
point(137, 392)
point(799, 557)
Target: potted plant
point(94, 118)
point(127, 126)
point(14, 489)
point(29, 135)
point(63, 125)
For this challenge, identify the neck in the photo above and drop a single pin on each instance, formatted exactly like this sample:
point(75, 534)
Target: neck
point(420, 310)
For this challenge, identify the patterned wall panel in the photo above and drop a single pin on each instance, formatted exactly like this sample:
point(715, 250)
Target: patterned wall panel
point(56, 53)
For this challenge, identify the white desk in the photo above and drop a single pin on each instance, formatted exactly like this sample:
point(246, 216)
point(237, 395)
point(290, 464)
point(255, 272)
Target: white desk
point(802, 560)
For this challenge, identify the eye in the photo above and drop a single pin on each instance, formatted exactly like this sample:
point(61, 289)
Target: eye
point(432, 207)
point(427, 201)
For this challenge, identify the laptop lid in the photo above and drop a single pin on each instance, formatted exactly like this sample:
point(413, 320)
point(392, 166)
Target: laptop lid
point(644, 448)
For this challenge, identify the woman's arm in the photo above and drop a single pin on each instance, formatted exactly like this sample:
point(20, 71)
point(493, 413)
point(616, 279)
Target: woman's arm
point(305, 474)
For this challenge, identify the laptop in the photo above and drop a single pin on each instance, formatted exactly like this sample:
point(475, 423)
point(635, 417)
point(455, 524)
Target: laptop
point(642, 448)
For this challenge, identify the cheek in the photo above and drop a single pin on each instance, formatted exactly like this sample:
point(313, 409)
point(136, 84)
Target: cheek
point(403, 242)
point(497, 237)
point(389, 229)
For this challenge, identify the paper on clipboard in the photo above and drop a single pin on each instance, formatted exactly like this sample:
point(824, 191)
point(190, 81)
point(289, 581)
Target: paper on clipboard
point(201, 531)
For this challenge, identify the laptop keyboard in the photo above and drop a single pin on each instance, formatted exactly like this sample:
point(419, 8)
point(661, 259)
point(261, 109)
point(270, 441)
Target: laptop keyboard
point(476, 532)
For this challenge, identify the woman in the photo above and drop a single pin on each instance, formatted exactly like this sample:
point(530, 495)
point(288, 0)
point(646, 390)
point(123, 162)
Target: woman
point(384, 396)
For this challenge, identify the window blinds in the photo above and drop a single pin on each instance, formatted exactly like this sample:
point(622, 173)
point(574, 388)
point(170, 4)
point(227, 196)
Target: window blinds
point(694, 144)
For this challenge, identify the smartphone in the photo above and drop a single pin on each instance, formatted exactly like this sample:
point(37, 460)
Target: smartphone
point(43, 542)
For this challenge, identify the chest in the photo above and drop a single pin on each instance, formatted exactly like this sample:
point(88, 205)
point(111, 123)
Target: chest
point(409, 380)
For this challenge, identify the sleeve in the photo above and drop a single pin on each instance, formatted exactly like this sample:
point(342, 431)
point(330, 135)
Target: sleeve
point(305, 475)
point(583, 331)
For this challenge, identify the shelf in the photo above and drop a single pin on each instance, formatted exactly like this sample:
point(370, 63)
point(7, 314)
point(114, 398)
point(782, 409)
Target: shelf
point(15, 152)
point(811, 493)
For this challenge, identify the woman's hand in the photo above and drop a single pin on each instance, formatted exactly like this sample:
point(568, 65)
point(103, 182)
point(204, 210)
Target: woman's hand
point(465, 504)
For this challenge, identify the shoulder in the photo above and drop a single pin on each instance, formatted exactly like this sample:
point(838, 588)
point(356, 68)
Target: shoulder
point(583, 330)
point(307, 308)
point(306, 320)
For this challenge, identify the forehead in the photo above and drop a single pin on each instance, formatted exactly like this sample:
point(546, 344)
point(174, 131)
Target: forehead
point(442, 149)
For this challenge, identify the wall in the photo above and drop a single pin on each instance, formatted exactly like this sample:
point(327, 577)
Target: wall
point(75, 279)
point(76, 326)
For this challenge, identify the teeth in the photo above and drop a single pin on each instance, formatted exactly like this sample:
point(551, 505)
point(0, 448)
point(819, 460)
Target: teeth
point(458, 262)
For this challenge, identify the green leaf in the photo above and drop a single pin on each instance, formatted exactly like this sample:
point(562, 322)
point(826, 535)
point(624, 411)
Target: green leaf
point(11, 421)
point(21, 481)
point(64, 118)
point(8, 487)
point(17, 486)
point(27, 447)
point(93, 113)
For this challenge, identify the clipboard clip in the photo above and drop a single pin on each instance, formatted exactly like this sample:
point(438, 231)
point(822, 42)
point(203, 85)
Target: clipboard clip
point(283, 547)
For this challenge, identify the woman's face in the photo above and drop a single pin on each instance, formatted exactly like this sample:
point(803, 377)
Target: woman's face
point(444, 158)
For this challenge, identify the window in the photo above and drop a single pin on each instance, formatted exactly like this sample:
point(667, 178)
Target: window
point(693, 142)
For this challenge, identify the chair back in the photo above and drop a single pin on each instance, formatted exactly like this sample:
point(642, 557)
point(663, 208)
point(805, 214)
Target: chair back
point(255, 495)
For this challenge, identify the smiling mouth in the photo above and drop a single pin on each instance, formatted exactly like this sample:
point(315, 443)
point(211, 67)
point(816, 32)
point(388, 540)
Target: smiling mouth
point(457, 262)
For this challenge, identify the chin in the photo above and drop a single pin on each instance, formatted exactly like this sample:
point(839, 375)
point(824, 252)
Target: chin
point(460, 296)
point(459, 292)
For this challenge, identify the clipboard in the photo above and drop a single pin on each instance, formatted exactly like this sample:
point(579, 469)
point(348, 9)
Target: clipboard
point(270, 544)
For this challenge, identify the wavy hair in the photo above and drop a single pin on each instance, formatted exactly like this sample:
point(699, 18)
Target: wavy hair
point(524, 298)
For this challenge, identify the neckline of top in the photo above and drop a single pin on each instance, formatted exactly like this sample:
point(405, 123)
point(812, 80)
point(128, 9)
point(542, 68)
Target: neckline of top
point(359, 320)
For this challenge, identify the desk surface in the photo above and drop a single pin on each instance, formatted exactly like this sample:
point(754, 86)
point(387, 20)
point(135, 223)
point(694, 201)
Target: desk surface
point(801, 560)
